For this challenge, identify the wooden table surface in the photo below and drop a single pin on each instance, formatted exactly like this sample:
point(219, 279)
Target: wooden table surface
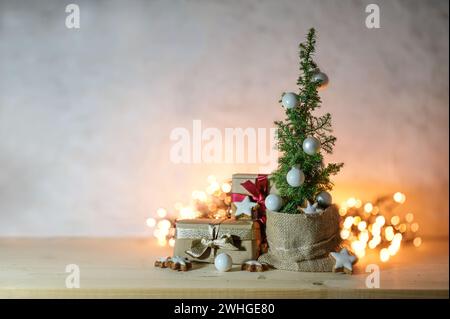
point(123, 268)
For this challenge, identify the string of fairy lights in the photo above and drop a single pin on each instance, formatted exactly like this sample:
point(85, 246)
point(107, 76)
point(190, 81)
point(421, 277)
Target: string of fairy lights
point(213, 202)
point(379, 226)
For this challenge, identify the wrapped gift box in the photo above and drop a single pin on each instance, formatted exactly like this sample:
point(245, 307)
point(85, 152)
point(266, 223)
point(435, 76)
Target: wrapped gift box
point(203, 239)
point(241, 186)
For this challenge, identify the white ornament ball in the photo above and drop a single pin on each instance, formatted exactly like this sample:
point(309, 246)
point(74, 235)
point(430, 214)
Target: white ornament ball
point(320, 78)
point(223, 262)
point(273, 202)
point(324, 199)
point(311, 145)
point(289, 100)
point(295, 177)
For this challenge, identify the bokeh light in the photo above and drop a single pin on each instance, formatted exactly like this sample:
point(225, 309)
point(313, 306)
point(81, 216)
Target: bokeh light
point(375, 226)
point(368, 207)
point(161, 212)
point(151, 222)
point(417, 241)
point(399, 197)
point(409, 217)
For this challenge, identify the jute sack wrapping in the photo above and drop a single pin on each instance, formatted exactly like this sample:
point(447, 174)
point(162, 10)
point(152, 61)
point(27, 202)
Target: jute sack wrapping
point(302, 242)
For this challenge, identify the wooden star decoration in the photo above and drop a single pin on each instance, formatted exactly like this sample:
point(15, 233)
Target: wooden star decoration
point(344, 261)
point(254, 265)
point(311, 208)
point(245, 207)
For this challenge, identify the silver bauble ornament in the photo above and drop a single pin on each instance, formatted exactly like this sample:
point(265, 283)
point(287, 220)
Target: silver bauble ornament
point(273, 202)
point(289, 100)
point(324, 199)
point(320, 78)
point(295, 177)
point(311, 145)
point(223, 262)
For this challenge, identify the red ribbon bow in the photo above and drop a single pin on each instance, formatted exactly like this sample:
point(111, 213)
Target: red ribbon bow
point(258, 191)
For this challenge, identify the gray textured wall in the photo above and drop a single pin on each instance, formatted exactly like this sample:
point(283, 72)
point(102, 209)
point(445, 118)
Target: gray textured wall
point(85, 115)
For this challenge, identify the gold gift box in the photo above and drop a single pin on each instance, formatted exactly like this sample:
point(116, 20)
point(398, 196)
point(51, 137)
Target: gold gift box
point(241, 239)
point(237, 188)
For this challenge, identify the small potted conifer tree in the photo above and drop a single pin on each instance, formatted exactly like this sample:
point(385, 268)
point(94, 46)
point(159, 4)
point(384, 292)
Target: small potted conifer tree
point(302, 223)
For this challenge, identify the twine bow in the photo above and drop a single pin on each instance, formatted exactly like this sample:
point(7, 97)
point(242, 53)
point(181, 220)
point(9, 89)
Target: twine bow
point(200, 246)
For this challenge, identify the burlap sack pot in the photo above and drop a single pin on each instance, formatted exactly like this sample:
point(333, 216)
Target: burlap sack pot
point(302, 242)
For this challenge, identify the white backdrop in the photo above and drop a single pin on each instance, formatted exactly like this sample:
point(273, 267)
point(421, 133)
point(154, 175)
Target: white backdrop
point(86, 115)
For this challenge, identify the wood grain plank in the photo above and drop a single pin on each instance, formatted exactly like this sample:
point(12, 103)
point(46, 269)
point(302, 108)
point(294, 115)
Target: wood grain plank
point(123, 268)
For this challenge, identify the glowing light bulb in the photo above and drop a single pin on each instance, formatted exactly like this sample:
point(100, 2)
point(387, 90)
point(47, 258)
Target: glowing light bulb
point(351, 202)
point(376, 240)
point(376, 230)
point(399, 197)
point(397, 237)
point(380, 220)
point(402, 228)
point(359, 248)
point(151, 222)
point(389, 233)
point(356, 220)
point(163, 232)
point(358, 203)
point(342, 211)
point(345, 233)
point(409, 217)
point(172, 242)
point(356, 245)
point(392, 249)
point(362, 225)
point(364, 236)
point(348, 222)
point(417, 241)
point(375, 210)
point(164, 224)
point(368, 207)
point(360, 253)
point(187, 213)
point(414, 227)
point(384, 255)
point(161, 212)
point(395, 220)
point(226, 187)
